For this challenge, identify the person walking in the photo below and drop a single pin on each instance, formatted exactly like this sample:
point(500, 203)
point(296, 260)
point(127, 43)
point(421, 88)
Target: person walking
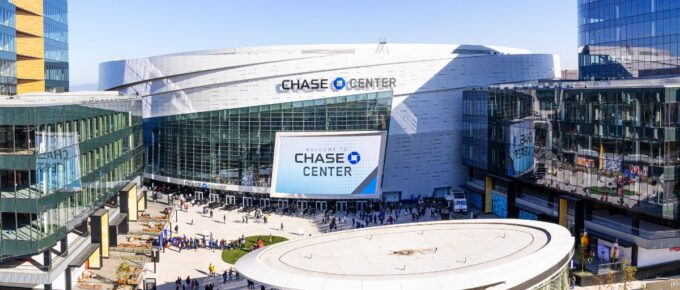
point(224, 277)
point(224, 218)
point(282, 227)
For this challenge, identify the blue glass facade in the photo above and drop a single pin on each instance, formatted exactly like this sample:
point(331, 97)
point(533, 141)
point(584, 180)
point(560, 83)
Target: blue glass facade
point(56, 44)
point(621, 39)
point(8, 57)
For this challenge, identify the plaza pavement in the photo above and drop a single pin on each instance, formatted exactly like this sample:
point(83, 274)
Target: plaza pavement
point(194, 263)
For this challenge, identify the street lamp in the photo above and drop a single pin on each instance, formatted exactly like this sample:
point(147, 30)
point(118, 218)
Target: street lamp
point(155, 256)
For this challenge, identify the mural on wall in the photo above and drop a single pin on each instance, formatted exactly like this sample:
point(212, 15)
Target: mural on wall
point(57, 162)
point(521, 147)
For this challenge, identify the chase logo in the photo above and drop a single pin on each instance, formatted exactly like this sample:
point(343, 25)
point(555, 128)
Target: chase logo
point(354, 157)
point(339, 84)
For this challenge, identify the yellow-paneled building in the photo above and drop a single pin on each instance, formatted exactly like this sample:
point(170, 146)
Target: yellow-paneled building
point(33, 46)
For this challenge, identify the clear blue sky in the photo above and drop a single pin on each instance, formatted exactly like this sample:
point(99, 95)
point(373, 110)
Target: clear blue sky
point(116, 29)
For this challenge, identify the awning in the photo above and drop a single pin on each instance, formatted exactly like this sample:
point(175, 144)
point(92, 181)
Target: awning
point(609, 238)
point(83, 256)
point(118, 219)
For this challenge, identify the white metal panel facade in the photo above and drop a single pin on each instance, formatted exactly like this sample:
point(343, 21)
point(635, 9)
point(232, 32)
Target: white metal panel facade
point(424, 140)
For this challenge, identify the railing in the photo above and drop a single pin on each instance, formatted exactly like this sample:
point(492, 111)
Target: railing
point(72, 245)
point(646, 234)
point(475, 182)
point(538, 201)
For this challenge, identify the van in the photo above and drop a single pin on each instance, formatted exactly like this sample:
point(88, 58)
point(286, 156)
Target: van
point(458, 201)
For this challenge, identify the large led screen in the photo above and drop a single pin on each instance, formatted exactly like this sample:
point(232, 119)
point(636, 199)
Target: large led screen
point(334, 165)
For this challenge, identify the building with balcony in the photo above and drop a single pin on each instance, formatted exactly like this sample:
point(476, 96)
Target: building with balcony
point(64, 158)
point(595, 157)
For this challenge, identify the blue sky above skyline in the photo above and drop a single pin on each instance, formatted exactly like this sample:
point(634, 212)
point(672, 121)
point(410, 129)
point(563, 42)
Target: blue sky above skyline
point(108, 30)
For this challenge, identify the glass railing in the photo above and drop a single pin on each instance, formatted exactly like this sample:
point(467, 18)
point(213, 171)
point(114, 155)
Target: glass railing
point(475, 182)
point(645, 234)
point(538, 201)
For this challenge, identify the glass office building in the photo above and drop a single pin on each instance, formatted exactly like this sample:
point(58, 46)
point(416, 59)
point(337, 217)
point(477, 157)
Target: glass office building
point(62, 156)
point(8, 48)
point(595, 157)
point(236, 146)
point(56, 45)
point(614, 145)
point(621, 39)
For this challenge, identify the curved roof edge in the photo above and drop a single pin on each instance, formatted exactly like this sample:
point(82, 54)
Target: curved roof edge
point(360, 48)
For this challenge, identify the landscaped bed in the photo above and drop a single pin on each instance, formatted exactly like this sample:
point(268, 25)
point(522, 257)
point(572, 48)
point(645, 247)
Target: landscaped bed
point(231, 256)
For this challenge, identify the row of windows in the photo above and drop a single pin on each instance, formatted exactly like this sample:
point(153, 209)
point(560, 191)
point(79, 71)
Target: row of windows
point(609, 10)
point(56, 33)
point(15, 139)
point(236, 146)
point(56, 53)
point(8, 68)
point(55, 12)
point(8, 42)
point(606, 35)
point(56, 73)
point(7, 17)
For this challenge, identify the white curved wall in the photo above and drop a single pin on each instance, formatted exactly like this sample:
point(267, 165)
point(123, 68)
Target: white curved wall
point(423, 149)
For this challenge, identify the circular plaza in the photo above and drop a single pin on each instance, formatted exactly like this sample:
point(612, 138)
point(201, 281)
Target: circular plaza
point(465, 254)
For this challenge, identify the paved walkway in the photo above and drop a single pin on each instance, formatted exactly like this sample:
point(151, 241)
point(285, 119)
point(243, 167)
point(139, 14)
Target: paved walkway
point(194, 263)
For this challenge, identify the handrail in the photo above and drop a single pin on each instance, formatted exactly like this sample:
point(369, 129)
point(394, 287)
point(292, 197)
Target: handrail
point(537, 200)
point(646, 234)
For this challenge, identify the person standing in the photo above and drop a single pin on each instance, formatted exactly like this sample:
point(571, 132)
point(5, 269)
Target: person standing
point(282, 227)
point(224, 277)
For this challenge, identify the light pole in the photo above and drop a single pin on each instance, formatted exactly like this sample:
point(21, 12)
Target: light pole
point(155, 257)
